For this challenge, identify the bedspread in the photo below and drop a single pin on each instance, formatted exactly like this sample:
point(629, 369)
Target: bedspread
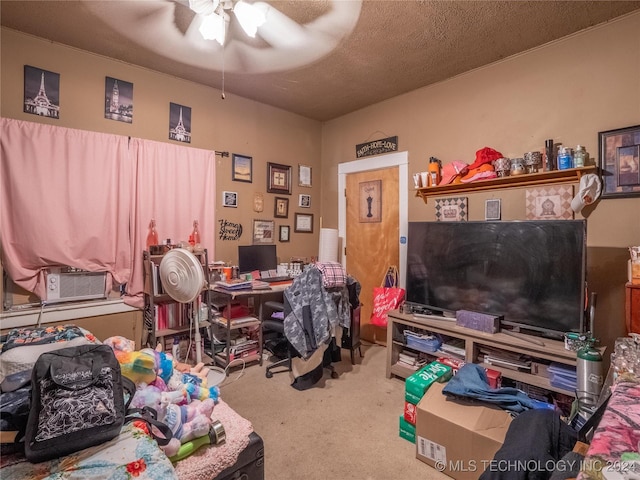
point(133, 454)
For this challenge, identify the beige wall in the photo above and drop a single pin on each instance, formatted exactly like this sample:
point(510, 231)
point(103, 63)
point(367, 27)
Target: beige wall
point(235, 124)
point(568, 90)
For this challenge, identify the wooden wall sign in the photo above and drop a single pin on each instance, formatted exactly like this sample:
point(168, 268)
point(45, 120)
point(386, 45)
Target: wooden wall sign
point(377, 147)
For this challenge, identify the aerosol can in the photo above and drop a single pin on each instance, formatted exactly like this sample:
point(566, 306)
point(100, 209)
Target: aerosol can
point(590, 376)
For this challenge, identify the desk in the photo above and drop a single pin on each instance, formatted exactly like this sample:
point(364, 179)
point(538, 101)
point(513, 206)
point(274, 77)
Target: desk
point(260, 296)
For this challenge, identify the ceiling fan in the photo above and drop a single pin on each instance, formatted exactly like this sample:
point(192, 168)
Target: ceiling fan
point(292, 34)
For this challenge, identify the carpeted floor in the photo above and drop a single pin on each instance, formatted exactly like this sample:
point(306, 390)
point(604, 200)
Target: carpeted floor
point(341, 428)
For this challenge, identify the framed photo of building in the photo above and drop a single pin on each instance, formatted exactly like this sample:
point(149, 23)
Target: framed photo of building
point(41, 92)
point(278, 178)
point(179, 123)
point(118, 100)
point(241, 168)
point(620, 162)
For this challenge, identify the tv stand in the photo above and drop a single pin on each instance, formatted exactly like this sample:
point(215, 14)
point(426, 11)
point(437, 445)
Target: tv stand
point(474, 341)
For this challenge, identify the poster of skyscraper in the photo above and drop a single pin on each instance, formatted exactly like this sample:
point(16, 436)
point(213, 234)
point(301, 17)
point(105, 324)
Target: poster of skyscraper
point(41, 92)
point(118, 100)
point(179, 123)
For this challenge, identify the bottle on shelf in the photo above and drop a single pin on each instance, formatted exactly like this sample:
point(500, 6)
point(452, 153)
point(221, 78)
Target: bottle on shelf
point(579, 157)
point(194, 238)
point(565, 158)
point(434, 171)
point(152, 236)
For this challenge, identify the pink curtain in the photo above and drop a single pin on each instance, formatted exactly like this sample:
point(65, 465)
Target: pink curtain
point(65, 200)
point(174, 185)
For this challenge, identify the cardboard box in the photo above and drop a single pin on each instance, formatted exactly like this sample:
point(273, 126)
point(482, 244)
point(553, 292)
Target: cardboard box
point(407, 431)
point(418, 383)
point(457, 437)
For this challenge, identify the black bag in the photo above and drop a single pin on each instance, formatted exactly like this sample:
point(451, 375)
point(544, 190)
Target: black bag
point(77, 401)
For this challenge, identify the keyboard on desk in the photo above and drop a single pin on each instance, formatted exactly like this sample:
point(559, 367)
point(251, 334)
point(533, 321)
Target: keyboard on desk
point(277, 279)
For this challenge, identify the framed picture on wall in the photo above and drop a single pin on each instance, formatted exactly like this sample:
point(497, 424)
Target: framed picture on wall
point(281, 207)
point(41, 92)
point(179, 123)
point(453, 209)
point(230, 199)
point(492, 209)
point(304, 176)
point(118, 102)
point(303, 223)
point(284, 233)
point(304, 201)
point(263, 231)
point(241, 168)
point(620, 162)
point(370, 201)
point(278, 178)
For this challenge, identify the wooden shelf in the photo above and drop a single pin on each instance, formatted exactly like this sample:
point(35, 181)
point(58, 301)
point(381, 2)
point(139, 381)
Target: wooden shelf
point(569, 175)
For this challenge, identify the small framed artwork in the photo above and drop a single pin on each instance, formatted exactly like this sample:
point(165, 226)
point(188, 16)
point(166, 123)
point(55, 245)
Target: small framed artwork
point(370, 200)
point(281, 207)
point(304, 176)
point(41, 92)
point(492, 209)
point(278, 178)
point(118, 103)
point(453, 209)
point(303, 223)
point(241, 168)
point(263, 231)
point(304, 201)
point(620, 162)
point(179, 123)
point(230, 199)
point(284, 233)
point(550, 203)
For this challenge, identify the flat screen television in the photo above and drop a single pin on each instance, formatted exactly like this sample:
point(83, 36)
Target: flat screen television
point(531, 272)
point(257, 257)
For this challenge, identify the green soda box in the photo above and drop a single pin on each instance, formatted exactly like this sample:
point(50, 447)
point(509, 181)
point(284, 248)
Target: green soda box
point(407, 431)
point(417, 384)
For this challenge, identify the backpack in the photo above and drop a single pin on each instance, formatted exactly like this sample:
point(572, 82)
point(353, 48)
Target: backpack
point(77, 401)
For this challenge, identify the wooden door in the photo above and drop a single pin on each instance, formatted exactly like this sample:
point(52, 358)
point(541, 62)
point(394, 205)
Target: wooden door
point(372, 230)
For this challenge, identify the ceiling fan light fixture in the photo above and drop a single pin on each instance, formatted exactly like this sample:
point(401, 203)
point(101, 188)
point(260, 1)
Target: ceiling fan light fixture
point(213, 28)
point(249, 17)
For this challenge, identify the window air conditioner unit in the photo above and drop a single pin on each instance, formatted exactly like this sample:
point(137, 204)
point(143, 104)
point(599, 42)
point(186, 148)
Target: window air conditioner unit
point(68, 284)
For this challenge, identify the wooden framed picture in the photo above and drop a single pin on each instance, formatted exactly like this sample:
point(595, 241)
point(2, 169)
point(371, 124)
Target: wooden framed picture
point(284, 233)
point(304, 201)
point(230, 199)
point(263, 231)
point(303, 223)
point(281, 207)
point(549, 203)
point(304, 176)
point(620, 162)
point(278, 178)
point(241, 168)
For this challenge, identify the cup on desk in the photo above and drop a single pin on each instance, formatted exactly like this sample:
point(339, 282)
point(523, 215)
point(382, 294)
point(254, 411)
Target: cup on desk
point(228, 272)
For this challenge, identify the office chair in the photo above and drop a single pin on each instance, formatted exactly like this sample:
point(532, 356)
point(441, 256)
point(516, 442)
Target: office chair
point(274, 328)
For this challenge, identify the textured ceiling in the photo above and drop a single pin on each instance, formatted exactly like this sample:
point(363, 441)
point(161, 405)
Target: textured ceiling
point(392, 47)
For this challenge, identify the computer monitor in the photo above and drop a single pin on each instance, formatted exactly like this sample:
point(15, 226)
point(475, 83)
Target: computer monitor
point(257, 257)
